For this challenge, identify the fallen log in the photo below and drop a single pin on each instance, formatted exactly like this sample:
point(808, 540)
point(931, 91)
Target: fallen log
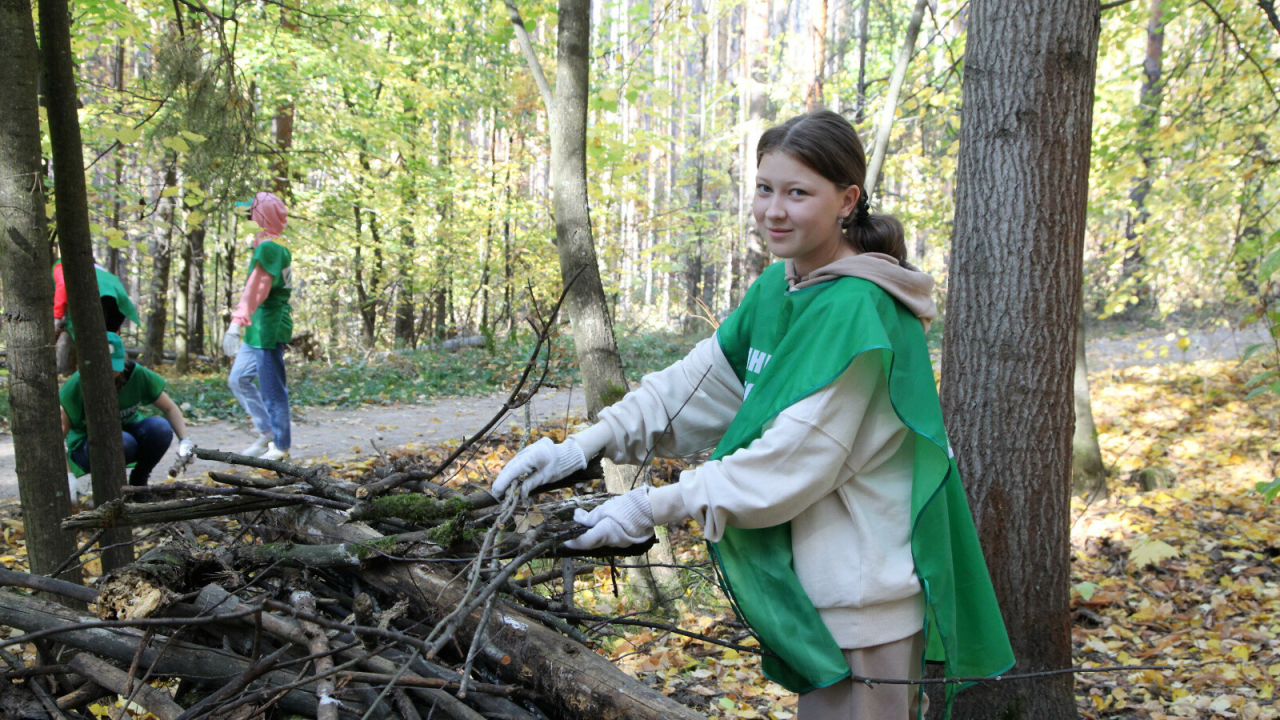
point(518, 649)
point(118, 513)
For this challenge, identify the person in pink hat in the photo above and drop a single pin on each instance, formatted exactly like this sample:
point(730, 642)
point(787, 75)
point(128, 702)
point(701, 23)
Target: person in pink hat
point(260, 327)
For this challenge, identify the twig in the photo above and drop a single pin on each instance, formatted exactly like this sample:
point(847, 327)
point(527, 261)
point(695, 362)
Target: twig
point(327, 708)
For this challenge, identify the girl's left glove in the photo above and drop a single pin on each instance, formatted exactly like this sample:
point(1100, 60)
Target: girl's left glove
point(185, 446)
point(622, 521)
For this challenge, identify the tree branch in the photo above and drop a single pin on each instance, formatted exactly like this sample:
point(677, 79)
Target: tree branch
point(526, 45)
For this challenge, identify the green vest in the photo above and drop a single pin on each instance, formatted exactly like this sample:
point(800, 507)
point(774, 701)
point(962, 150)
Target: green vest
point(784, 346)
point(272, 322)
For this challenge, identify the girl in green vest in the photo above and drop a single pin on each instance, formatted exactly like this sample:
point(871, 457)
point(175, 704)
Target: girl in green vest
point(260, 328)
point(832, 506)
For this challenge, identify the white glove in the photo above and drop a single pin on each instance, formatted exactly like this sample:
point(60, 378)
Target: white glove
point(544, 462)
point(231, 340)
point(185, 446)
point(622, 521)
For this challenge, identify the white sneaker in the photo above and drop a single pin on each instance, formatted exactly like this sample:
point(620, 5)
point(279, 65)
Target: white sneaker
point(258, 447)
point(274, 453)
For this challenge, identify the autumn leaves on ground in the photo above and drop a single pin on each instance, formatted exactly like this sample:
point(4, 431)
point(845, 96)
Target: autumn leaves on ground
point(1182, 575)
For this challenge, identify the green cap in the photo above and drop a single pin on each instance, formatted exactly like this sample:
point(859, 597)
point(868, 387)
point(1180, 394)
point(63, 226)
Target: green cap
point(118, 354)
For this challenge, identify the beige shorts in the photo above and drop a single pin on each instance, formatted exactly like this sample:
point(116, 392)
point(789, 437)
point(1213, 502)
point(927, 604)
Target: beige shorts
point(849, 700)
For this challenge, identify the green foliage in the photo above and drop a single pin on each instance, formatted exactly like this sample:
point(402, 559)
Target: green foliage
point(1269, 490)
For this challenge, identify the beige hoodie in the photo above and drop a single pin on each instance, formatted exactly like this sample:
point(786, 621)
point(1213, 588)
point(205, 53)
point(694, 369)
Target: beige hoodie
point(909, 285)
point(837, 465)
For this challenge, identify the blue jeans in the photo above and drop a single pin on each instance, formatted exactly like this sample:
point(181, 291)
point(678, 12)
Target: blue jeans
point(268, 401)
point(145, 442)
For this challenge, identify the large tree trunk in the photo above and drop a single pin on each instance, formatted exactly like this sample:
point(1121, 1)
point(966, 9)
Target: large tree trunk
point(161, 259)
point(102, 411)
point(28, 295)
point(1007, 358)
point(1150, 97)
point(1088, 473)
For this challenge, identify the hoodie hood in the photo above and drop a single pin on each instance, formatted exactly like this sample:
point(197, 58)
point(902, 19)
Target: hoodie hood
point(270, 214)
point(910, 286)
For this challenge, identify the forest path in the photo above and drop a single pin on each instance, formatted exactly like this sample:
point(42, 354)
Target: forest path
point(346, 433)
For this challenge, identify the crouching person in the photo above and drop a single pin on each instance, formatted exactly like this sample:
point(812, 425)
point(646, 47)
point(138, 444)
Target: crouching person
point(146, 439)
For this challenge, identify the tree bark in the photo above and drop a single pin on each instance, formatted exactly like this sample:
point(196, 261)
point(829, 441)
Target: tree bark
point(102, 412)
point(1088, 473)
point(27, 298)
point(885, 126)
point(1016, 263)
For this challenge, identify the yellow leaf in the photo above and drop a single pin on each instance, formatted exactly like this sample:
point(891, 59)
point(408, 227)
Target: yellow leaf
point(1151, 551)
point(169, 192)
point(1184, 343)
point(193, 137)
point(128, 135)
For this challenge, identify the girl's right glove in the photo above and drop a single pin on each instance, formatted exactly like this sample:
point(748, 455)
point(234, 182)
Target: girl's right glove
point(544, 462)
point(624, 520)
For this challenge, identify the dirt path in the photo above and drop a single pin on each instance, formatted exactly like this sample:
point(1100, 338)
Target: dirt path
point(342, 434)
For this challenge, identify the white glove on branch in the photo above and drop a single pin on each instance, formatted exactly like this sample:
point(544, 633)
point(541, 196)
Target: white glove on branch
point(622, 521)
point(231, 340)
point(185, 446)
point(544, 462)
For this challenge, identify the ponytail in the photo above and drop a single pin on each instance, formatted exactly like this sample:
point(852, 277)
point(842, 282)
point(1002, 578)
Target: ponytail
point(866, 232)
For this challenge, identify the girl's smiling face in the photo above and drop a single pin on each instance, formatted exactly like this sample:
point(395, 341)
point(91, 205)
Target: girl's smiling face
point(798, 212)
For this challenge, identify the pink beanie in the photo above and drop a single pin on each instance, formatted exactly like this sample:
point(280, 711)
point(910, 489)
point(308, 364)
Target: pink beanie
point(270, 214)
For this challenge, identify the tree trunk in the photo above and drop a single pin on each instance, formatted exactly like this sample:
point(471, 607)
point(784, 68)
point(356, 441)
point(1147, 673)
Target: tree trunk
point(885, 125)
point(1017, 253)
point(161, 259)
point(102, 411)
point(1150, 97)
point(28, 294)
point(404, 325)
point(182, 311)
point(195, 321)
point(1088, 473)
point(864, 15)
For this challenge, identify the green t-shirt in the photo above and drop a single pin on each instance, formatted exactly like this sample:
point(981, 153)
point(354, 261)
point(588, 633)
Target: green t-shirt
point(142, 388)
point(272, 322)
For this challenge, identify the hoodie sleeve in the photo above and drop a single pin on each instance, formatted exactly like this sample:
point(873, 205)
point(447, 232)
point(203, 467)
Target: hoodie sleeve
point(256, 289)
point(678, 411)
point(796, 462)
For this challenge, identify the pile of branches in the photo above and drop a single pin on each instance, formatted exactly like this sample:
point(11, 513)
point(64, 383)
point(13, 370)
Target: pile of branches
point(302, 593)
